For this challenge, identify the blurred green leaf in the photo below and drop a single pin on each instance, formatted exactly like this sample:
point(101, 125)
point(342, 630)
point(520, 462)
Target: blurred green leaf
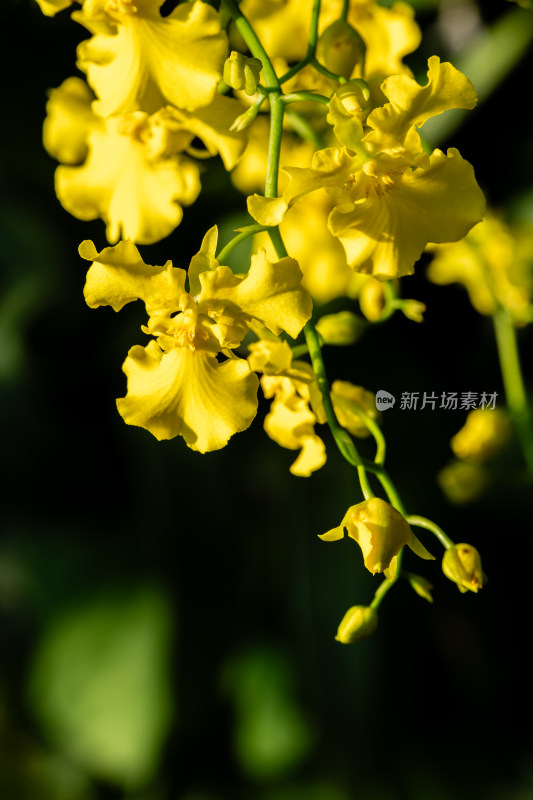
point(100, 685)
point(272, 734)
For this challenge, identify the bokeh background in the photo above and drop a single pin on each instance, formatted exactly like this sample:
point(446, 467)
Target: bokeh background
point(167, 619)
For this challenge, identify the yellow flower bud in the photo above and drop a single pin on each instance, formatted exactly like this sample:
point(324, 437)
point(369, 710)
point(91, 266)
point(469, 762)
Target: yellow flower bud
point(340, 48)
point(372, 299)
point(242, 73)
point(462, 565)
point(358, 623)
point(413, 310)
point(341, 329)
point(484, 435)
point(463, 482)
point(353, 97)
point(421, 586)
point(348, 402)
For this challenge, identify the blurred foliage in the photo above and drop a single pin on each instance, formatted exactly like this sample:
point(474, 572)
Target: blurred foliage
point(100, 685)
point(110, 538)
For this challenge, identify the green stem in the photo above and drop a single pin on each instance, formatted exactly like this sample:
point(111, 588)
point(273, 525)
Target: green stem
point(251, 230)
point(422, 522)
point(299, 350)
point(513, 382)
point(345, 10)
point(327, 72)
point(313, 29)
point(301, 97)
point(277, 109)
point(342, 439)
point(377, 433)
point(392, 492)
point(311, 44)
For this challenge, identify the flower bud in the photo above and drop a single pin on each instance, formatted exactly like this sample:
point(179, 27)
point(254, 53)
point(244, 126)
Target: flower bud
point(343, 328)
point(462, 565)
point(421, 586)
point(353, 97)
point(348, 402)
point(340, 48)
point(484, 435)
point(372, 299)
point(463, 482)
point(358, 623)
point(413, 310)
point(242, 73)
point(244, 120)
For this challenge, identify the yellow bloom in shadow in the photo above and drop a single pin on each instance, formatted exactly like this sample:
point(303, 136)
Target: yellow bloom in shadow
point(296, 406)
point(179, 384)
point(493, 263)
point(485, 433)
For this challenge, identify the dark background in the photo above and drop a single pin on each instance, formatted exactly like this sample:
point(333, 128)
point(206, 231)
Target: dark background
point(194, 588)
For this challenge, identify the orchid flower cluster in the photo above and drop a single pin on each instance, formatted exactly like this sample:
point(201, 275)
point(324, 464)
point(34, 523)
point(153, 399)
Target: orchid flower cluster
point(311, 109)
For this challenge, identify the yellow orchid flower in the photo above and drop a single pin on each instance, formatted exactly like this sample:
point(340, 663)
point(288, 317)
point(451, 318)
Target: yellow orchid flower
point(493, 263)
point(321, 256)
point(139, 60)
point(381, 532)
point(390, 198)
point(176, 384)
point(137, 196)
point(296, 406)
point(69, 121)
point(134, 176)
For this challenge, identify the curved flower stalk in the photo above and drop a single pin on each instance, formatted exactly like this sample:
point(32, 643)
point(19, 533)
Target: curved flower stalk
point(177, 384)
point(390, 198)
point(127, 156)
